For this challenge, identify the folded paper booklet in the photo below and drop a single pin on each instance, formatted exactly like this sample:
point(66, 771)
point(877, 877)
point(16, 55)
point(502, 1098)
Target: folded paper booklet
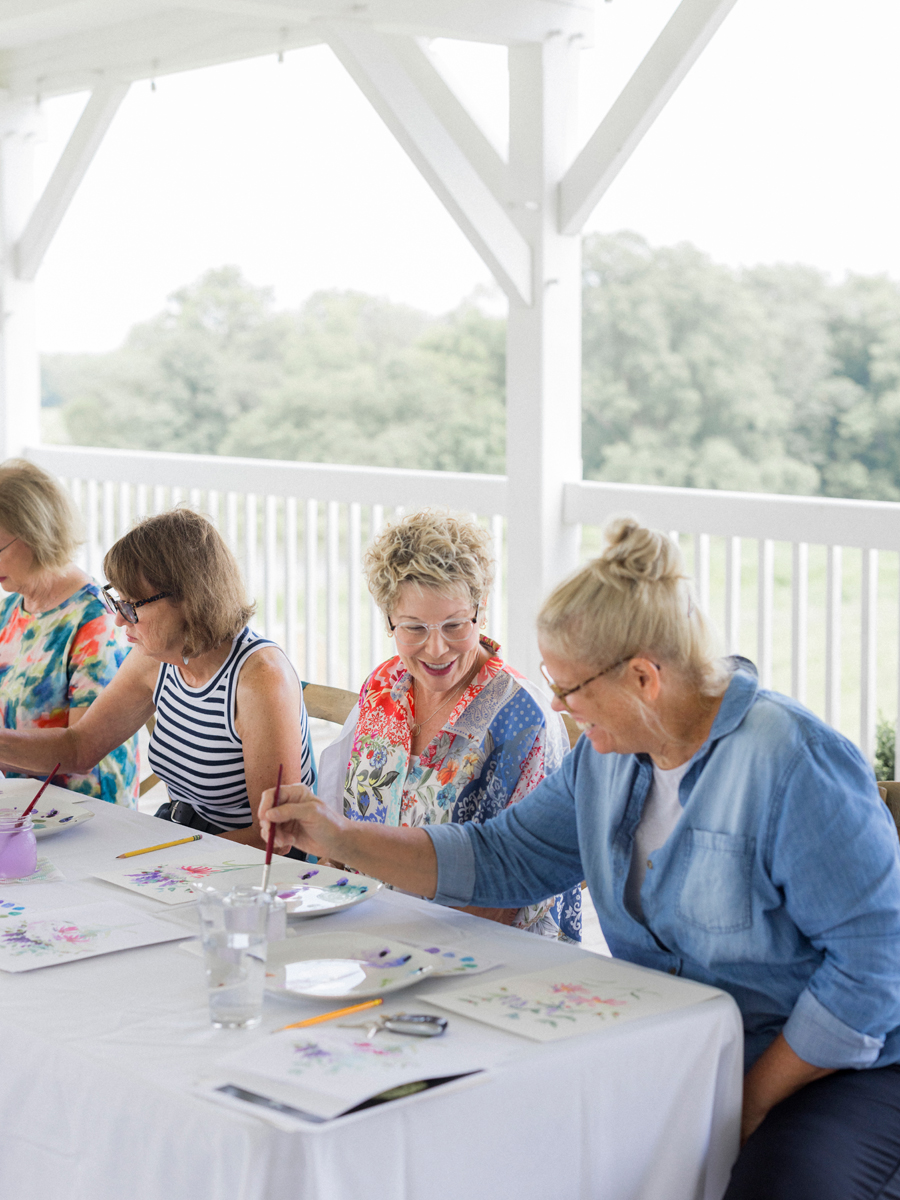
point(587, 996)
point(41, 938)
point(171, 875)
point(317, 1074)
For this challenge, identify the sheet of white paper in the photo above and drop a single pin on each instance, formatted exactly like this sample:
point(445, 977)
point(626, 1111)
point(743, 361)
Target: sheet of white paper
point(326, 1072)
point(41, 939)
point(169, 875)
point(588, 996)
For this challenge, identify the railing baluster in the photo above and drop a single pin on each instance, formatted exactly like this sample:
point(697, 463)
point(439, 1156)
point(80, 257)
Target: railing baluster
point(194, 500)
point(311, 591)
point(109, 518)
point(290, 578)
point(141, 508)
point(270, 565)
point(332, 593)
point(376, 620)
point(799, 619)
point(765, 584)
point(833, 603)
point(124, 514)
point(868, 654)
point(159, 498)
point(732, 595)
point(231, 522)
point(250, 543)
point(212, 506)
point(495, 604)
point(93, 532)
point(354, 583)
point(701, 569)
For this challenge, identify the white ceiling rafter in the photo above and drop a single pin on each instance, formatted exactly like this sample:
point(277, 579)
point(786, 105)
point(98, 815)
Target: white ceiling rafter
point(57, 46)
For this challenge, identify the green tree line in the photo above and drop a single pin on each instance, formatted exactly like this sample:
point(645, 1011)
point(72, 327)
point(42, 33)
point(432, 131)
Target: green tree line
point(773, 378)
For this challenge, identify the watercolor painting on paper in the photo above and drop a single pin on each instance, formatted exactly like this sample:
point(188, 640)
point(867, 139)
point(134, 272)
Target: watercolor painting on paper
point(172, 882)
point(45, 872)
point(584, 997)
point(81, 931)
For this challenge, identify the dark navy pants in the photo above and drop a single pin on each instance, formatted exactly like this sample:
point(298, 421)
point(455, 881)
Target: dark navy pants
point(836, 1139)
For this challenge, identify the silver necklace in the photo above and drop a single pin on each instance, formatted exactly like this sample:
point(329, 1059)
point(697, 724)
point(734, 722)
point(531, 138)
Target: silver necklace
point(416, 726)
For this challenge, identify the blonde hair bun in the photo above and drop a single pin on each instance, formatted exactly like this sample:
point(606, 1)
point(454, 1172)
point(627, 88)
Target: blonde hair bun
point(635, 554)
point(635, 599)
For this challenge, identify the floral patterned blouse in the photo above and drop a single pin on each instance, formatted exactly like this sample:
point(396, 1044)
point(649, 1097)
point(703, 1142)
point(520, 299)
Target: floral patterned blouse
point(57, 660)
point(501, 739)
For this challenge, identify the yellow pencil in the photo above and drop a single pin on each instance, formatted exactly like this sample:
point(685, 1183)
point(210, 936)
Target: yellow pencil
point(161, 846)
point(329, 1016)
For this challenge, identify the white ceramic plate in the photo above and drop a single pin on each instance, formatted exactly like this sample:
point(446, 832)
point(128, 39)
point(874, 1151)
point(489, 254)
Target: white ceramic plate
point(343, 964)
point(57, 810)
point(310, 890)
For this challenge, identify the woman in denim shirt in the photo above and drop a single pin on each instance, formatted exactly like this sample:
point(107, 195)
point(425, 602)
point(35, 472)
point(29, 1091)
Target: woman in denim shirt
point(727, 835)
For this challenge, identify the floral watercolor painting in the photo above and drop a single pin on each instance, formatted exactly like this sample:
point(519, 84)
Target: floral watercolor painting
point(45, 872)
point(170, 882)
point(586, 997)
point(81, 931)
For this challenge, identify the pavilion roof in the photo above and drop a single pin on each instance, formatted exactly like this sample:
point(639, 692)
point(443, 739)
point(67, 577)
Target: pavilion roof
point(50, 47)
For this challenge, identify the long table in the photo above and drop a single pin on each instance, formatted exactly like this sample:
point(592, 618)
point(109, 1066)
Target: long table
point(98, 1059)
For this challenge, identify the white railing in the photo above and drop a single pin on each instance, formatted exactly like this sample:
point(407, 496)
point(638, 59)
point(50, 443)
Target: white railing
point(807, 587)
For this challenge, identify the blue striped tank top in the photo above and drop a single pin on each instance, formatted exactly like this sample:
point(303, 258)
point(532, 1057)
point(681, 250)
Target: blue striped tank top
point(195, 748)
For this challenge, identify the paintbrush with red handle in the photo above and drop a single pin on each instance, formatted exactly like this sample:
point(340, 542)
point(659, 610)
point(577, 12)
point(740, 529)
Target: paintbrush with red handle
point(40, 792)
point(270, 843)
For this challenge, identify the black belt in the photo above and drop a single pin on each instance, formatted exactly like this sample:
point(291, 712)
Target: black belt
point(185, 814)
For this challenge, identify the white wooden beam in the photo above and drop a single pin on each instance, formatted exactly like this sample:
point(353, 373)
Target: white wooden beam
point(640, 102)
point(70, 170)
point(376, 62)
point(455, 117)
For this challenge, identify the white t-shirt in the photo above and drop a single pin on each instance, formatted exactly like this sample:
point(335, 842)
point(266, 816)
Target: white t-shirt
point(662, 810)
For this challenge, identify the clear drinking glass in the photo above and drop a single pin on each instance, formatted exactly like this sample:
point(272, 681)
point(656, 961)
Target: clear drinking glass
point(234, 928)
point(18, 849)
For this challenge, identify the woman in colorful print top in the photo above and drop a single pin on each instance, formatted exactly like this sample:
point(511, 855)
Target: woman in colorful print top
point(58, 644)
point(445, 731)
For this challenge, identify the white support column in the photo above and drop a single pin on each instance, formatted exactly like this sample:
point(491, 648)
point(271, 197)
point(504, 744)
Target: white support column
point(20, 386)
point(543, 356)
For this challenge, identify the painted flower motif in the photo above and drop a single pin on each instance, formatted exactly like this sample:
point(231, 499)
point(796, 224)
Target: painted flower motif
point(378, 759)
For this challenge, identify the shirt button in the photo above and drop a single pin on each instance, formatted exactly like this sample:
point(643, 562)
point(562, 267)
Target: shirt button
point(650, 864)
point(673, 970)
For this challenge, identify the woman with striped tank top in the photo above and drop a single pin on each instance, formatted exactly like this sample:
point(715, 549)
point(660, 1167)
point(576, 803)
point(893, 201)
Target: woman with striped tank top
point(228, 704)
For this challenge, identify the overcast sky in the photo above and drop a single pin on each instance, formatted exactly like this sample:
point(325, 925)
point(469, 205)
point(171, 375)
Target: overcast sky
point(781, 145)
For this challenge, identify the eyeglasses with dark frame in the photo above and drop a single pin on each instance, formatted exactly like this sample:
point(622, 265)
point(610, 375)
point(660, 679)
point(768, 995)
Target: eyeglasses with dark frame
point(127, 609)
point(561, 693)
point(416, 633)
point(8, 544)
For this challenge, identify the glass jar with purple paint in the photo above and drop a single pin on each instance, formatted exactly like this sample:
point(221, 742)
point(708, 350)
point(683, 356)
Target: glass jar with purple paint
point(18, 849)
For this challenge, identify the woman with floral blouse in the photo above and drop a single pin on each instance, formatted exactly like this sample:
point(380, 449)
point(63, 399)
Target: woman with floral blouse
point(58, 644)
point(445, 731)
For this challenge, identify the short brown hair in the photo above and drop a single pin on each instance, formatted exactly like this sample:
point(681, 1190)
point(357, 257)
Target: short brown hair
point(36, 510)
point(182, 552)
point(430, 549)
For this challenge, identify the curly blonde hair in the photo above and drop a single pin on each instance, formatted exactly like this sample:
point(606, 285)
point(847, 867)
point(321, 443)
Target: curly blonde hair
point(634, 599)
point(430, 549)
point(35, 509)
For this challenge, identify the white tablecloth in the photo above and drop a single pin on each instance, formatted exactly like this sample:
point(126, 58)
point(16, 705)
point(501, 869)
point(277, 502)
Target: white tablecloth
point(99, 1058)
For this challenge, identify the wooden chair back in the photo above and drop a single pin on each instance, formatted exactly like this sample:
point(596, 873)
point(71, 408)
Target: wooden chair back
point(571, 729)
point(328, 703)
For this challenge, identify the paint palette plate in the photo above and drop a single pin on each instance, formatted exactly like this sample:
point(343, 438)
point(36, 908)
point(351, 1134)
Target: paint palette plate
point(57, 810)
point(344, 964)
point(313, 890)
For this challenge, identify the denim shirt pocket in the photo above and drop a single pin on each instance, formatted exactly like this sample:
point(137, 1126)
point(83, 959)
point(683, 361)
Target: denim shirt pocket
point(714, 881)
